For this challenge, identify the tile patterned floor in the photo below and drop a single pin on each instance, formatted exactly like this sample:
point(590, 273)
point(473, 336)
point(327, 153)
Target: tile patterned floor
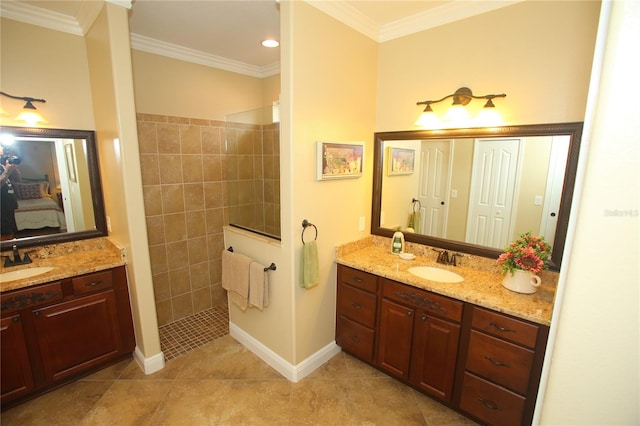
point(222, 383)
point(187, 334)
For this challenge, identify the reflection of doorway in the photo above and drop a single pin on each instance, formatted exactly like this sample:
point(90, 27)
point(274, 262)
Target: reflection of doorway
point(493, 185)
point(434, 186)
point(555, 183)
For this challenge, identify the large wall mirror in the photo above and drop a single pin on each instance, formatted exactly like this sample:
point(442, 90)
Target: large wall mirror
point(476, 190)
point(59, 191)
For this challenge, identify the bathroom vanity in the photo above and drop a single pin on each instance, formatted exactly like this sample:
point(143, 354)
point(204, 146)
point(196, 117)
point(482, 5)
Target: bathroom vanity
point(474, 346)
point(66, 323)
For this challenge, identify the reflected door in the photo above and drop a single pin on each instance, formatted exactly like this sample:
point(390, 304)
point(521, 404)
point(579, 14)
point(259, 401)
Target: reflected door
point(493, 185)
point(434, 184)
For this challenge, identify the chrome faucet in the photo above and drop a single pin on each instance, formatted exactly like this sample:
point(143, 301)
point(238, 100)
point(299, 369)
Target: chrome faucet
point(16, 258)
point(446, 259)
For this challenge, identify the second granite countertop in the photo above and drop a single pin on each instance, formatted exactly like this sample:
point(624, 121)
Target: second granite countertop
point(68, 259)
point(480, 287)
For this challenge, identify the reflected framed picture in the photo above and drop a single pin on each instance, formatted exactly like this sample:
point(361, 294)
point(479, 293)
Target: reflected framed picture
point(401, 161)
point(71, 162)
point(339, 160)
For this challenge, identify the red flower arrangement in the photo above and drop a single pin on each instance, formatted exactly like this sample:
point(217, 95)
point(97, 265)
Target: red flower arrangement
point(528, 253)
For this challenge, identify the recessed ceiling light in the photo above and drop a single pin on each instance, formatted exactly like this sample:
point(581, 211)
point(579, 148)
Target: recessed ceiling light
point(270, 43)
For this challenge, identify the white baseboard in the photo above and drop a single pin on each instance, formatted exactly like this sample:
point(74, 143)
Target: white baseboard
point(149, 365)
point(293, 373)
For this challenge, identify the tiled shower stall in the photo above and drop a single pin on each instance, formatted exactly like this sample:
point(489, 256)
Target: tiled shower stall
point(194, 173)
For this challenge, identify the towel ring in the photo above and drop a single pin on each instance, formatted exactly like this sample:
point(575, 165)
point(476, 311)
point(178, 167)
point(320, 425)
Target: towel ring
point(415, 202)
point(305, 224)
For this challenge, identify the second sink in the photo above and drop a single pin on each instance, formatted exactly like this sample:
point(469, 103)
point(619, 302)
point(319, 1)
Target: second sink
point(435, 274)
point(24, 273)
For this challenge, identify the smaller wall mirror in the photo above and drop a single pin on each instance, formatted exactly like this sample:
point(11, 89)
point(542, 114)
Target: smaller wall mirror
point(476, 190)
point(59, 190)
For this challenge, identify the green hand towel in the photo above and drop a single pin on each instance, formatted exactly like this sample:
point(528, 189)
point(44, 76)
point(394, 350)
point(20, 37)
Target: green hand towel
point(310, 265)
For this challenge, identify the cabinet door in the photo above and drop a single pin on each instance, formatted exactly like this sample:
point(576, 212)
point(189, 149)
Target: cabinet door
point(76, 335)
point(394, 346)
point(16, 377)
point(435, 351)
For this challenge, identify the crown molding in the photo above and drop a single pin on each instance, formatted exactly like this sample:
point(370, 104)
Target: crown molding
point(431, 18)
point(349, 16)
point(437, 16)
point(150, 45)
point(24, 12)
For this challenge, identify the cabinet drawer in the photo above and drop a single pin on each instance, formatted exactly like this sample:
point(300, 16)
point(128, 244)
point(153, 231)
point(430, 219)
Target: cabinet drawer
point(32, 296)
point(501, 362)
point(357, 305)
point(490, 403)
point(506, 328)
point(355, 339)
point(432, 303)
point(92, 282)
point(357, 278)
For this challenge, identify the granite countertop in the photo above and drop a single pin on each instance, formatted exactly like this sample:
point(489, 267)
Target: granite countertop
point(482, 283)
point(68, 259)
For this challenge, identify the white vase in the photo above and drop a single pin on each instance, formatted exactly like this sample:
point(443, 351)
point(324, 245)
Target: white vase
point(521, 281)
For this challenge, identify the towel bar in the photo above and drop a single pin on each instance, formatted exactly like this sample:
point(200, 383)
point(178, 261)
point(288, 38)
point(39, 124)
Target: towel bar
point(305, 225)
point(271, 267)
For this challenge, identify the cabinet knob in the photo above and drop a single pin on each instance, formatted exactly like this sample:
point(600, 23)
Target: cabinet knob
point(36, 314)
point(409, 313)
point(424, 317)
point(15, 319)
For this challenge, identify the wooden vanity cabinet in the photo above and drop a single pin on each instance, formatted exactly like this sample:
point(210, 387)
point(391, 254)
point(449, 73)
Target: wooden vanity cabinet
point(482, 363)
point(56, 332)
point(419, 335)
point(502, 368)
point(356, 312)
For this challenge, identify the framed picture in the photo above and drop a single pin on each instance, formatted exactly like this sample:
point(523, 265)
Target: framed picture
point(401, 161)
point(340, 160)
point(71, 162)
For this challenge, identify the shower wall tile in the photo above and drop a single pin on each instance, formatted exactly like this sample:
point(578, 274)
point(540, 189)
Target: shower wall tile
point(195, 174)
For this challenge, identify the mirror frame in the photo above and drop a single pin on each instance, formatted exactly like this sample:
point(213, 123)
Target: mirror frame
point(94, 181)
point(574, 130)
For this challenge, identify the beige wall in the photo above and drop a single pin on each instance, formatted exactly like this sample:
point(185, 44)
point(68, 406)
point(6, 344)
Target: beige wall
point(110, 70)
point(331, 94)
point(593, 368)
point(167, 86)
point(537, 52)
point(46, 64)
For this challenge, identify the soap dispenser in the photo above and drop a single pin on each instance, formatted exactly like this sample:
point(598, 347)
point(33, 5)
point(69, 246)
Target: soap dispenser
point(397, 243)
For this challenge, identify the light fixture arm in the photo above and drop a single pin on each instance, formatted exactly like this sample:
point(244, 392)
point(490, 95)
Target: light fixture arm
point(461, 96)
point(22, 98)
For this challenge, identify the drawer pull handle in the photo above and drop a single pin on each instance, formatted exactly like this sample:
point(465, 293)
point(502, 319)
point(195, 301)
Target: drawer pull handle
point(93, 284)
point(358, 280)
point(496, 363)
point(490, 405)
point(504, 330)
point(356, 306)
point(355, 339)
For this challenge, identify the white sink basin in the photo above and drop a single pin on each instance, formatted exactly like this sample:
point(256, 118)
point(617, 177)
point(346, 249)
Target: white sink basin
point(24, 273)
point(435, 274)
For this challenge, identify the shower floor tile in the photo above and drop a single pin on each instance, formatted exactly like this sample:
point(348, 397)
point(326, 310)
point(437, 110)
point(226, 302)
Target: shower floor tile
point(187, 334)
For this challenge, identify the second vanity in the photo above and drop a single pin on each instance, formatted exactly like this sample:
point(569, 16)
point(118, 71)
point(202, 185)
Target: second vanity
point(64, 323)
point(473, 345)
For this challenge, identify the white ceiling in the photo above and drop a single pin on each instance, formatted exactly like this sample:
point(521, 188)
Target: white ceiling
point(227, 34)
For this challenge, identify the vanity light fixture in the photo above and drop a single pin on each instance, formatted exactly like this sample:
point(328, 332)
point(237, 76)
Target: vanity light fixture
point(29, 113)
point(458, 116)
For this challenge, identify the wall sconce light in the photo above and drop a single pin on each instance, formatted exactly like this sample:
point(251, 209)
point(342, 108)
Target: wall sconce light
point(458, 116)
point(29, 113)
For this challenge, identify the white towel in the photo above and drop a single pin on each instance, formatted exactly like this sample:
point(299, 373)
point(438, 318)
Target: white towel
point(235, 277)
point(258, 286)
